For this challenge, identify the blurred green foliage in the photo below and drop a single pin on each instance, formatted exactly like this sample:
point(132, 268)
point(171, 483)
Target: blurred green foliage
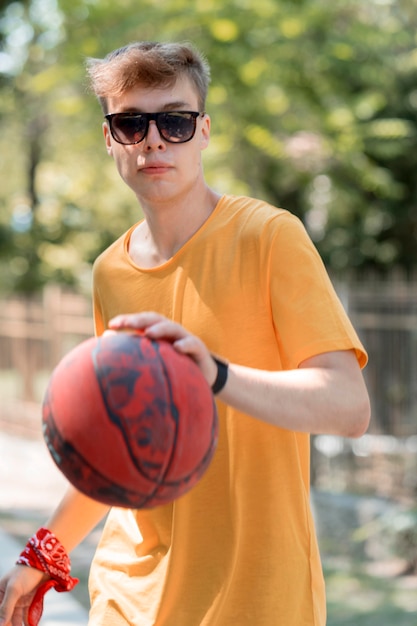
point(313, 106)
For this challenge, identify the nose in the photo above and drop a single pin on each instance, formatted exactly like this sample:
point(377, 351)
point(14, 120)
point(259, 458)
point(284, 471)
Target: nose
point(152, 139)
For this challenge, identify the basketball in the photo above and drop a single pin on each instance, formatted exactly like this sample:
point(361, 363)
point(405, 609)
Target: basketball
point(129, 421)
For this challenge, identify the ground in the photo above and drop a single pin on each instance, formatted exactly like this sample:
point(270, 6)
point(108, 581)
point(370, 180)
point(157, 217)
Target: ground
point(366, 584)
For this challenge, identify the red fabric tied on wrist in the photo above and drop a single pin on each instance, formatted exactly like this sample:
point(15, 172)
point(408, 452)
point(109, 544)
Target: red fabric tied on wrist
point(46, 553)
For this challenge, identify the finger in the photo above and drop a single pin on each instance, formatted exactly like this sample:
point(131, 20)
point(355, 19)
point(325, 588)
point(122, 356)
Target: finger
point(191, 345)
point(153, 324)
point(136, 321)
point(194, 348)
point(7, 607)
point(19, 617)
point(165, 329)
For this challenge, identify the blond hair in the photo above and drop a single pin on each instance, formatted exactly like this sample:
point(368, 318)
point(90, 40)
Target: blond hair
point(150, 64)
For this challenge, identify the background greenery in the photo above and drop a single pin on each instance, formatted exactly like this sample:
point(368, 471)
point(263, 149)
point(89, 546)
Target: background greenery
point(314, 108)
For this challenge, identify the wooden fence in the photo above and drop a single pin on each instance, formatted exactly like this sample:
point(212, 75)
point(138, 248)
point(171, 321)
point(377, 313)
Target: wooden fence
point(36, 332)
point(384, 313)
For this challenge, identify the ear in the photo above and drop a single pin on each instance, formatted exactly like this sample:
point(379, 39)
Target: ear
point(205, 132)
point(107, 138)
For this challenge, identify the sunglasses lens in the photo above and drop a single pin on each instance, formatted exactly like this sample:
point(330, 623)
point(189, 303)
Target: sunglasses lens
point(176, 127)
point(129, 129)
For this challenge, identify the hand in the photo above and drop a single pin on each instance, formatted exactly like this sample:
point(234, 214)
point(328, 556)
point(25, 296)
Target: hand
point(17, 590)
point(156, 326)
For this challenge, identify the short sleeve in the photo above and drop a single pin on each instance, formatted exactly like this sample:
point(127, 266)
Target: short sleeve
point(308, 316)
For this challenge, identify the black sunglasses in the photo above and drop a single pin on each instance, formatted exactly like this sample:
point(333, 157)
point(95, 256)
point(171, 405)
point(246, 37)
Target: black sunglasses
point(173, 126)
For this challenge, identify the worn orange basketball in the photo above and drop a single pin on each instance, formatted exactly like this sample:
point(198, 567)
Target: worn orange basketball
point(129, 421)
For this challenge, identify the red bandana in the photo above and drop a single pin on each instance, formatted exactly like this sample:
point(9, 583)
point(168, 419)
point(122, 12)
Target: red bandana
point(45, 552)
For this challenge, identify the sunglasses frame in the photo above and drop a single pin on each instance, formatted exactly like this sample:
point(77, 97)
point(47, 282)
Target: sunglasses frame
point(152, 117)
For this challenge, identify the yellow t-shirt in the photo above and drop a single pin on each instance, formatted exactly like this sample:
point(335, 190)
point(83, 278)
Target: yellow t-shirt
point(240, 549)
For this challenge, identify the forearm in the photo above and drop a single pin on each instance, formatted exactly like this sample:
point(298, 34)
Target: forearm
point(23, 588)
point(75, 517)
point(326, 394)
point(329, 398)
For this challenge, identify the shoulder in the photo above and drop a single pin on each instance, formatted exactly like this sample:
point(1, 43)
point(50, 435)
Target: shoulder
point(245, 205)
point(244, 213)
point(253, 209)
point(277, 236)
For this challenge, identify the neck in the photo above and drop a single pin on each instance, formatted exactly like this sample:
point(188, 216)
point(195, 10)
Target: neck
point(168, 227)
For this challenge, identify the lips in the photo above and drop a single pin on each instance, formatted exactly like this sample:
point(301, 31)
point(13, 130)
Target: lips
point(155, 168)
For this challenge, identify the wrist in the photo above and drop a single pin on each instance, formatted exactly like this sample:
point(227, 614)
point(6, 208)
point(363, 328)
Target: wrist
point(221, 375)
point(45, 553)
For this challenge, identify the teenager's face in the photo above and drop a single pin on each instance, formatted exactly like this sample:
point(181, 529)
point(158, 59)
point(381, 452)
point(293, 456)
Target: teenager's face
point(156, 170)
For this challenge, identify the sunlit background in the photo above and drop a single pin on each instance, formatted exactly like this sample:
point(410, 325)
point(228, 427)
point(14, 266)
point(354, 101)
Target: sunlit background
point(314, 108)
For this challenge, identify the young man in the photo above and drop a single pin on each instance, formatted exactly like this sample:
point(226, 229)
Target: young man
point(226, 276)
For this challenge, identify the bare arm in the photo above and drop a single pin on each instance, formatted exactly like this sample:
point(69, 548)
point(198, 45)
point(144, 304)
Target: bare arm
point(73, 519)
point(326, 394)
